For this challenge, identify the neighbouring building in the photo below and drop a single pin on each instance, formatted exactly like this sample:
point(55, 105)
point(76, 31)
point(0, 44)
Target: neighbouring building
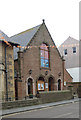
point(7, 89)
point(38, 63)
point(69, 49)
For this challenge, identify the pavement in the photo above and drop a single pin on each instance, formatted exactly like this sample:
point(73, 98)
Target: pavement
point(29, 108)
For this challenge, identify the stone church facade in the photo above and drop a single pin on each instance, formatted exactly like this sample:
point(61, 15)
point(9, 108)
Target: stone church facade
point(38, 67)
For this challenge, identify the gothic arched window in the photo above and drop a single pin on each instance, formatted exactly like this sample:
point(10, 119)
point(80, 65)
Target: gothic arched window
point(44, 55)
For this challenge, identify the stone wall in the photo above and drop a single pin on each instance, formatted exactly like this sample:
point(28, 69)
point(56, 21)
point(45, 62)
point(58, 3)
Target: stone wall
point(79, 90)
point(7, 63)
point(54, 96)
point(75, 88)
point(45, 97)
point(20, 103)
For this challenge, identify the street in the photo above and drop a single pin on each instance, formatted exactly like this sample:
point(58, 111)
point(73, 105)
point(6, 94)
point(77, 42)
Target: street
point(70, 110)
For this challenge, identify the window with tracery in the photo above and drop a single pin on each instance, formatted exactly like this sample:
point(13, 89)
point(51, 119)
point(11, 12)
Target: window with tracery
point(44, 55)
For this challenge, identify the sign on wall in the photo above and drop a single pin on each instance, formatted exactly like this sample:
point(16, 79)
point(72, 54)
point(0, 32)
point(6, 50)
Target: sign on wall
point(46, 85)
point(40, 85)
point(64, 83)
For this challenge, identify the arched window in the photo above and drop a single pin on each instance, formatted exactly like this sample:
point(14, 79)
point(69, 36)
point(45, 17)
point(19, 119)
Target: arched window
point(44, 55)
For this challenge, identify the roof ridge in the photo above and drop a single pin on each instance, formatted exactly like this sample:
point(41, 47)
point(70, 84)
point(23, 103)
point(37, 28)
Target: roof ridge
point(25, 31)
point(72, 38)
point(66, 40)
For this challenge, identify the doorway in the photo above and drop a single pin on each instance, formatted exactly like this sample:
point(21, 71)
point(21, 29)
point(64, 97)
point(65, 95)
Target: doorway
point(51, 84)
point(59, 84)
point(16, 89)
point(30, 86)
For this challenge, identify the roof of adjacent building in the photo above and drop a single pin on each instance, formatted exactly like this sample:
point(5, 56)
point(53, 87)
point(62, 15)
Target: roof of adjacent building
point(69, 41)
point(4, 38)
point(75, 73)
point(68, 44)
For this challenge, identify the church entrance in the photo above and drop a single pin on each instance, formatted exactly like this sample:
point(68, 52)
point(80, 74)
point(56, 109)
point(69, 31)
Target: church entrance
point(51, 84)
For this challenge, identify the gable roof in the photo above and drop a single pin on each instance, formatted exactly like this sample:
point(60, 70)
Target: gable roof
point(24, 37)
point(69, 40)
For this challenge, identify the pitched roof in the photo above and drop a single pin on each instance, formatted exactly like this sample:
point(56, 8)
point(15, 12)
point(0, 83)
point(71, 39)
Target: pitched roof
point(3, 36)
point(24, 37)
point(5, 39)
point(69, 40)
point(75, 73)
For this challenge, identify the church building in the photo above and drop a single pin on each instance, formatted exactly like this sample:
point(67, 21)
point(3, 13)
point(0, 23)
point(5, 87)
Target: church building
point(38, 63)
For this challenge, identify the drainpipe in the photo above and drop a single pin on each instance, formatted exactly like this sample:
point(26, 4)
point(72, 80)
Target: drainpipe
point(6, 76)
point(63, 69)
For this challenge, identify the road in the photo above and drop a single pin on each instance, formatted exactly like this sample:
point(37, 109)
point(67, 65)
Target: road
point(70, 110)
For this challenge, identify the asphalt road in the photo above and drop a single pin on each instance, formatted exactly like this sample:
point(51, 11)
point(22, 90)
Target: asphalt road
point(62, 111)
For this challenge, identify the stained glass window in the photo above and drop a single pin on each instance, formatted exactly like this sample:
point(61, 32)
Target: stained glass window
point(44, 54)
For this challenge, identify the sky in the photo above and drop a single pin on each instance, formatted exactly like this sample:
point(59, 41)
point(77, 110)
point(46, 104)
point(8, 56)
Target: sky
point(61, 17)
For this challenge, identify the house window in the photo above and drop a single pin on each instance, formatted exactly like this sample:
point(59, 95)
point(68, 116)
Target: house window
point(65, 52)
point(44, 56)
point(74, 49)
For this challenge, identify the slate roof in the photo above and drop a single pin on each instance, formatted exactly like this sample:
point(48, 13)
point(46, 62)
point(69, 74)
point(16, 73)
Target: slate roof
point(23, 38)
point(3, 36)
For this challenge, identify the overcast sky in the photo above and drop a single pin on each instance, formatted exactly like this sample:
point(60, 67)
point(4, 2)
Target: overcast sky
point(61, 17)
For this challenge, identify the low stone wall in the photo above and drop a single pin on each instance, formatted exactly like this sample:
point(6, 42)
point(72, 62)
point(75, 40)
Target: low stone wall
point(54, 96)
point(75, 88)
point(79, 90)
point(45, 97)
point(20, 103)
